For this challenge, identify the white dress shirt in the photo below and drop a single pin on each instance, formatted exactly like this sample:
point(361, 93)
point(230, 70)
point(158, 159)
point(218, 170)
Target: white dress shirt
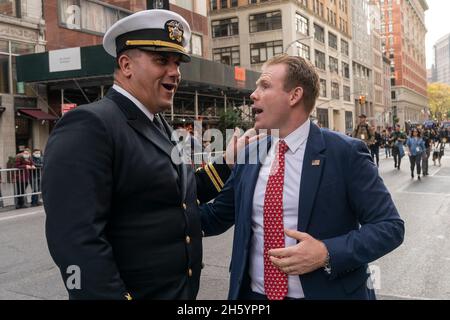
point(296, 141)
point(135, 101)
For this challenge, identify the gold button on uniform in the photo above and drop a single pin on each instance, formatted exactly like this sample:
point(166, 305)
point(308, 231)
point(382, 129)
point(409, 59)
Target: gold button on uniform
point(190, 272)
point(184, 206)
point(188, 239)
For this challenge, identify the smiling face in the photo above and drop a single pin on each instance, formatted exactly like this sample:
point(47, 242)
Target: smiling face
point(271, 101)
point(151, 77)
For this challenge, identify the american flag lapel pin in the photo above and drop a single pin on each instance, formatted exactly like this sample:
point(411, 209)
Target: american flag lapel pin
point(315, 163)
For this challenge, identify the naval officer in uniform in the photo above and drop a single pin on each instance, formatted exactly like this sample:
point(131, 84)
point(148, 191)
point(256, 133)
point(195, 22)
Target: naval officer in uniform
point(120, 211)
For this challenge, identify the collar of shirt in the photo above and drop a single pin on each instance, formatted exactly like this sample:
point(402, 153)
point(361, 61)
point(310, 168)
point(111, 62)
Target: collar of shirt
point(134, 100)
point(297, 137)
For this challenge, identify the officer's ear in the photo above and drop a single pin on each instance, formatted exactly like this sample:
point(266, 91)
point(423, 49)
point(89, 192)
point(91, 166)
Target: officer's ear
point(124, 65)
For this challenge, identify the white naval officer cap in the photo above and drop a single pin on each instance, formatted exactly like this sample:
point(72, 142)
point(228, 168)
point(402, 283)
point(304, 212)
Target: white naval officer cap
point(152, 30)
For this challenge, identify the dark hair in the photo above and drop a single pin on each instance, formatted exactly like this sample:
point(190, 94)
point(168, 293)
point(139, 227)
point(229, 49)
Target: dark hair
point(300, 73)
point(416, 130)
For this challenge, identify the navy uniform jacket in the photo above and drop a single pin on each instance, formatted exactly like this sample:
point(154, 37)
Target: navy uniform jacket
point(119, 209)
point(342, 202)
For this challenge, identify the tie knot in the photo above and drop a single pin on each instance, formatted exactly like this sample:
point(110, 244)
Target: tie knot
point(282, 147)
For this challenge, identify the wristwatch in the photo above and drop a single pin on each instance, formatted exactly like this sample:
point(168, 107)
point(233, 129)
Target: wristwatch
point(327, 267)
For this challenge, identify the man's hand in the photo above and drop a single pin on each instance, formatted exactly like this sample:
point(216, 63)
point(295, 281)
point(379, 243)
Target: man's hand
point(307, 256)
point(237, 143)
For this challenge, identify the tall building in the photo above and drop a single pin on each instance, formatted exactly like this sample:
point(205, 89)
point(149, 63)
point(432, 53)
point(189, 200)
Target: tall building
point(21, 32)
point(363, 55)
point(387, 100)
point(248, 33)
point(441, 66)
point(379, 105)
point(404, 32)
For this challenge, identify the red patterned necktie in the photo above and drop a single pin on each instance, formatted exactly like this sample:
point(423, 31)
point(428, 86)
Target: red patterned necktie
point(275, 281)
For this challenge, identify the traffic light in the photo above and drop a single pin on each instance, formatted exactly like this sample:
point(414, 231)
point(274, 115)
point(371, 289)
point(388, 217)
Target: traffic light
point(362, 100)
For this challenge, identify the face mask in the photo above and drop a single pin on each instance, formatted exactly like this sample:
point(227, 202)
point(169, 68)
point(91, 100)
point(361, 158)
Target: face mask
point(36, 155)
point(26, 156)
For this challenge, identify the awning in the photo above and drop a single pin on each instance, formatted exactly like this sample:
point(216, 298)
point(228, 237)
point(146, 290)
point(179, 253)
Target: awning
point(37, 114)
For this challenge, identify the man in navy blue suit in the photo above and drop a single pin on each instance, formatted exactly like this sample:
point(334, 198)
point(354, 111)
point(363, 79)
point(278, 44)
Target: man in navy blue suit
point(312, 212)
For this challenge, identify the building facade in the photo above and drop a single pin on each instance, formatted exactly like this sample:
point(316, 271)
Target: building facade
point(21, 32)
point(363, 56)
point(442, 60)
point(248, 33)
point(379, 106)
point(404, 31)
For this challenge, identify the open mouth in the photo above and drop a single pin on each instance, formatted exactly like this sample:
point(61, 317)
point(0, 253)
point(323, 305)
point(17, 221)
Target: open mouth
point(168, 86)
point(256, 110)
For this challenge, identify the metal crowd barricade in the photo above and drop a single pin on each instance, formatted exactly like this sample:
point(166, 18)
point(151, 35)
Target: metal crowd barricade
point(17, 184)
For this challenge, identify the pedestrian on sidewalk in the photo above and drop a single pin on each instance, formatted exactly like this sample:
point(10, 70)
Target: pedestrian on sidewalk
point(25, 165)
point(426, 137)
point(397, 139)
point(375, 146)
point(387, 147)
point(416, 147)
point(438, 152)
point(38, 162)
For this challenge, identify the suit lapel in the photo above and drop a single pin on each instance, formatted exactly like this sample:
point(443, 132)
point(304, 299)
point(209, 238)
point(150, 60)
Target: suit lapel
point(313, 164)
point(139, 122)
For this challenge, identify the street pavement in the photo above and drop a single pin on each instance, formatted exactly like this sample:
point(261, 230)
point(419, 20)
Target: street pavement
point(419, 269)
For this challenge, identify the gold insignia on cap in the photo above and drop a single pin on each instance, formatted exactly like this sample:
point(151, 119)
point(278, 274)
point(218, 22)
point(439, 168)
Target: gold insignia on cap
point(175, 29)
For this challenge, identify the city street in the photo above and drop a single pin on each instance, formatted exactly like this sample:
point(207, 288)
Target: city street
point(419, 269)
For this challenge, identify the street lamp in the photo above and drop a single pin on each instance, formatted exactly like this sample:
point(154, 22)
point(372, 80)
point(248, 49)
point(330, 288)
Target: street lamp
point(295, 41)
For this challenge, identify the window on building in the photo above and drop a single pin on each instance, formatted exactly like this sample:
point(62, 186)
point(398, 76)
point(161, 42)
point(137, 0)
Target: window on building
point(319, 33)
point(345, 70)
point(323, 88)
point(4, 73)
point(265, 21)
point(227, 55)
point(213, 4)
point(11, 8)
point(332, 40)
point(261, 52)
point(234, 3)
point(303, 51)
point(302, 24)
point(225, 28)
point(7, 59)
point(334, 65)
point(348, 121)
point(89, 16)
point(322, 117)
point(223, 4)
point(196, 44)
point(347, 93)
point(335, 90)
point(344, 47)
point(320, 60)
point(303, 3)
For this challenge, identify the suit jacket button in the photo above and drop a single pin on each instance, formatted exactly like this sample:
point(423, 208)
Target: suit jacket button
point(188, 239)
point(198, 202)
point(190, 272)
point(184, 206)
